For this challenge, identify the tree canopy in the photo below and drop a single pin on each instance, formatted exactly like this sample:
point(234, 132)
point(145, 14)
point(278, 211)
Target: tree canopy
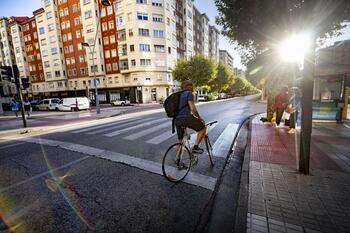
point(199, 69)
point(224, 78)
point(258, 25)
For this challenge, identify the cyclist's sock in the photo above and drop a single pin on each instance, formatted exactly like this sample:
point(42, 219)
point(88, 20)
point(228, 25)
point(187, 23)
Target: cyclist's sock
point(196, 147)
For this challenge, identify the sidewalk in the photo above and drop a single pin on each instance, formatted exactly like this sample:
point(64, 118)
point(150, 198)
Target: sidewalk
point(280, 199)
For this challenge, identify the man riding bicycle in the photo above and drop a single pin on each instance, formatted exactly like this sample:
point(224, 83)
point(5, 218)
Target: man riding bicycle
point(188, 117)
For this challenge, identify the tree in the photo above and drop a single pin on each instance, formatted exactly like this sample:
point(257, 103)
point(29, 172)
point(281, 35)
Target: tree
point(199, 69)
point(224, 78)
point(242, 86)
point(258, 26)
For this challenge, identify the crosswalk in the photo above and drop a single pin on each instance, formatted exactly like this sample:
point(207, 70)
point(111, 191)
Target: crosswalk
point(157, 131)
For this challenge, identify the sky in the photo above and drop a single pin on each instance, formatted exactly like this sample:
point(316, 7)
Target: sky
point(26, 8)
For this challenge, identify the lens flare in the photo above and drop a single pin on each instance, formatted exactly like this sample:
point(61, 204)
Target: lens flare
point(294, 47)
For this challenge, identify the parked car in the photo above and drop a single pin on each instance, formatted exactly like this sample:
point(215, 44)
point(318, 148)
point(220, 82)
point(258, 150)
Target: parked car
point(75, 103)
point(203, 98)
point(120, 102)
point(34, 104)
point(48, 104)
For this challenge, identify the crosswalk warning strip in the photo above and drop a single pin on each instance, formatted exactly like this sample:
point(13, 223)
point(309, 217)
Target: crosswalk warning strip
point(222, 145)
point(192, 178)
point(161, 138)
point(124, 124)
point(115, 133)
point(102, 126)
point(148, 131)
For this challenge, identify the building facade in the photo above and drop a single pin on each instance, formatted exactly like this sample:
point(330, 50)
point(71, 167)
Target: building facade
point(226, 58)
point(214, 43)
point(137, 45)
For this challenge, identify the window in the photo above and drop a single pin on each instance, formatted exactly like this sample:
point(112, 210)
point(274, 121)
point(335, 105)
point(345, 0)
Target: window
point(106, 40)
point(81, 59)
point(115, 66)
point(64, 37)
point(45, 53)
point(157, 3)
point(78, 34)
point(83, 71)
point(46, 64)
point(74, 72)
point(54, 51)
point(109, 10)
point(47, 3)
point(69, 36)
point(157, 18)
point(68, 61)
point(141, 1)
point(145, 48)
point(88, 14)
point(111, 24)
point(132, 48)
point(108, 67)
point(159, 48)
point(129, 17)
point(133, 62)
point(131, 33)
point(72, 60)
point(76, 21)
point(63, 25)
point(89, 29)
point(56, 62)
point(58, 74)
point(169, 50)
point(112, 39)
point(145, 62)
point(107, 54)
point(71, 49)
point(158, 33)
point(86, 2)
point(143, 32)
point(48, 75)
point(43, 42)
point(52, 39)
point(113, 52)
point(41, 30)
point(118, 4)
point(142, 16)
point(51, 27)
point(119, 20)
point(49, 15)
point(35, 35)
point(104, 26)
point(75, 8)
point(103, 12)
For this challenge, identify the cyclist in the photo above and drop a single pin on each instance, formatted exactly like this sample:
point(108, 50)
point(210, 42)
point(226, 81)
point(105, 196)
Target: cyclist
point(189, 117)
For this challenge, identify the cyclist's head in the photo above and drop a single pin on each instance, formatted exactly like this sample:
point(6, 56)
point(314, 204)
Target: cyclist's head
point(187, 85)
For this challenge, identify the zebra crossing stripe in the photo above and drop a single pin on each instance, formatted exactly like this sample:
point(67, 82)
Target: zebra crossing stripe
point(148, 131)
point(118, 126)
point(161, 138)
point(115, 133)
point(222, 145)
point(192, 178)
point(194, 135)
point(102, 126)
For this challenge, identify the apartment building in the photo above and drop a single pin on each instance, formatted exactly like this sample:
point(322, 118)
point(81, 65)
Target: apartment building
point(226, 58)
point(214, 43)
point(7, 57)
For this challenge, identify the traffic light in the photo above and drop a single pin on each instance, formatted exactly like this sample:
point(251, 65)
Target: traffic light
point(25, 83)
point(6, 73)
point(16, 74)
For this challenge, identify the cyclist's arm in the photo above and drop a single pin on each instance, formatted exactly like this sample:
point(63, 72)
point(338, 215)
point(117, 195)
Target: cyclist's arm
point(194, 110)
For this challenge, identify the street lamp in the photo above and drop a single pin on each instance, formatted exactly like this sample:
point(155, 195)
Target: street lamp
point(92, 52)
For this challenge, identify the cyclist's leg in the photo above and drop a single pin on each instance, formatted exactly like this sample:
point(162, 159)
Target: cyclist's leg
point(200, 136)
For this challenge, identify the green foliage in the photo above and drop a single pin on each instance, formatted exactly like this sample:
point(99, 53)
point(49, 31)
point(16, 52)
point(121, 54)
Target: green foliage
point(257, 25)
point(199, 69)
point(224, 78)
point(242, 86)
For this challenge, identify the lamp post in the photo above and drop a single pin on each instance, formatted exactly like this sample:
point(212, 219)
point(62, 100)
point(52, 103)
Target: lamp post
point(92, 52)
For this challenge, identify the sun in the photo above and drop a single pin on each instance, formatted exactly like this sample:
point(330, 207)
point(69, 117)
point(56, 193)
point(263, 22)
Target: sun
point(293, 48)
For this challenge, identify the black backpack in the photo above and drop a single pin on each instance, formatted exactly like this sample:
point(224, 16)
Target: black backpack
point(171, 106)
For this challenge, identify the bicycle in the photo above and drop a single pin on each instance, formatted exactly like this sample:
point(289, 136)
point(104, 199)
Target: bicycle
point(178, 159)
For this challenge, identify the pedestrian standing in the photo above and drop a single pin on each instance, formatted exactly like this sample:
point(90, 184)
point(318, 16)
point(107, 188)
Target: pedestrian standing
point(14, 106)
point(27, 107)
point(281, 102)
point(295, 103)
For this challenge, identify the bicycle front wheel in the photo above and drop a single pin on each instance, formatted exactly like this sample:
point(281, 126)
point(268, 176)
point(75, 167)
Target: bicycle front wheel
point(176, 163)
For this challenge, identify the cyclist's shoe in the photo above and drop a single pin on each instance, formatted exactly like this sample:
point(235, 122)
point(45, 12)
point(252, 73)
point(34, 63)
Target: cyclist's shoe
point(180, 165)
point(197, 150)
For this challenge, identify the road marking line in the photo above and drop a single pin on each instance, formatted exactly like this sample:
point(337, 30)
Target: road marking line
point(161, 138)
point(12, 145)
point(194, 135)
point(148, 131)
point(115, 133)
point(346, 126)
point(222, 145)
point(102, 126)
point(121, 125)
point(192, 178)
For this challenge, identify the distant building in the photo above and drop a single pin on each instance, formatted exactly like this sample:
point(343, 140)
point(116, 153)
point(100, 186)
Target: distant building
point(238, 71)
point(214, 43)
point(226, 58)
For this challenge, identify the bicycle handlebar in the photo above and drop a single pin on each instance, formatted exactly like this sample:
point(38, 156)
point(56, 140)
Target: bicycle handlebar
point(211, 123)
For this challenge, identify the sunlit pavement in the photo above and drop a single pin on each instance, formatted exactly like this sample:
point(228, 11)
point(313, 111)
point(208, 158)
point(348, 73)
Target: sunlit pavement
point(280, 199)
point(103, 175)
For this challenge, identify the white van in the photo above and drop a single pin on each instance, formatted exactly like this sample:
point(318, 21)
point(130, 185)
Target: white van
point(75, 103)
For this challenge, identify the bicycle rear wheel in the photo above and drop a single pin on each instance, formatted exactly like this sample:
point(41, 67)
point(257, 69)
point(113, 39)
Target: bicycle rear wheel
point(209, 150)
point(176, 163)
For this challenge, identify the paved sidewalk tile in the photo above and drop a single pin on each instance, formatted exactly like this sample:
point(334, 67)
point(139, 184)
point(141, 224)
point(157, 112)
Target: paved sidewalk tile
point(281, 199)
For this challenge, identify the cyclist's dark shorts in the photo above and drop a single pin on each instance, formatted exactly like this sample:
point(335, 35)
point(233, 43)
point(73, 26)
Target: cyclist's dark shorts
point(188, 122)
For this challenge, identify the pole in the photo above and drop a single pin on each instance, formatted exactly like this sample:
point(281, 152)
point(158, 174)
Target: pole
point(98, 111)
point(19, 90)
point(306, 109)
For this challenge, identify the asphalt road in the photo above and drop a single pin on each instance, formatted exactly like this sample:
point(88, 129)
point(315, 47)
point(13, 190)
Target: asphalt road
point(104, 177)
